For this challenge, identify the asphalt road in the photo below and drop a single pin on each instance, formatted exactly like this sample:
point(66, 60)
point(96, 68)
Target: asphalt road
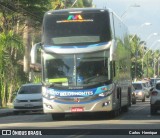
point(138, 117)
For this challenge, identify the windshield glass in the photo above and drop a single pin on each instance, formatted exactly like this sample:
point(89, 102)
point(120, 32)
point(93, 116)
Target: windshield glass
point(31, 89)
point(137, 86)
point(76, 69)
point(76, 29)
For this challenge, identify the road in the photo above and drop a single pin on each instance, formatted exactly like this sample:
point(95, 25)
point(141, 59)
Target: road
point(138, 117)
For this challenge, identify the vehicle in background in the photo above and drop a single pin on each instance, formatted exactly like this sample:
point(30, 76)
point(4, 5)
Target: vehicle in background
point(155, 99)
point(153, 81)
point(140, 90)
point(148, 88)
point(29, 98)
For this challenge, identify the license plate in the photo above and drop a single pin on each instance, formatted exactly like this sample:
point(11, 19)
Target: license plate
point(77, 109)
point(28, 105)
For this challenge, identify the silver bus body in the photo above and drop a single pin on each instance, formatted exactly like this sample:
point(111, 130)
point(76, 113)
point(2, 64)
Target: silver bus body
point(88, 94)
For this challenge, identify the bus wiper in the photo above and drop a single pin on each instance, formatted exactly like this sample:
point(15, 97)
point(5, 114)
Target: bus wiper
point(95, 79)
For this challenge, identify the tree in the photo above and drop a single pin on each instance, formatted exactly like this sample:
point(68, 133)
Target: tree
point(61, 4)
point(10, 51)
point(136, 70)
point(20, 25)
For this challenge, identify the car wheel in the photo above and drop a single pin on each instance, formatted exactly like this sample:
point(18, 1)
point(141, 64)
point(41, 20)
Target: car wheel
point(134, 101)
point(58, 116)
point(153, 110)
point(144, 99)
point(147, 96)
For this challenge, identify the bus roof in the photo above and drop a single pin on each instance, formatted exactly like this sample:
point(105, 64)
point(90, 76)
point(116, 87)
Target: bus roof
point(78, 10)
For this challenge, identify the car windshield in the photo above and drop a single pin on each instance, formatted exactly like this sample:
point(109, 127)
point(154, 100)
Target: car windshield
point(137, 86)
point(32, 89)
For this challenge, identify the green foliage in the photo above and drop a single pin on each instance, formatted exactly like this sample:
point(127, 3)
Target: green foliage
point(13, 15)
point(11, 75)
point(61, 4)
point(139, 52)
point(87, 3)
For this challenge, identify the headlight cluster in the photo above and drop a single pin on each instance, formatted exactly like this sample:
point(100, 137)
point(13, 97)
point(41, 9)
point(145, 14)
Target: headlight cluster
point(107, 91)
point(16, 101)
point(140, 93)
point(46, 93)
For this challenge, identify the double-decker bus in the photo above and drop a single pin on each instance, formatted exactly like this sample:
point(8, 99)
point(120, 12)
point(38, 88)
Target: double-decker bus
point(85, 60)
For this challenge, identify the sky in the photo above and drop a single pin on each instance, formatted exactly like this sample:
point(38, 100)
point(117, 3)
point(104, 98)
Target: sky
point(135, 17)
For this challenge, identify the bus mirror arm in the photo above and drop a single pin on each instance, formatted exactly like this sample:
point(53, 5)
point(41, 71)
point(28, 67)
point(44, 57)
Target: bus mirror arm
point(36, 67)
point(34, 52)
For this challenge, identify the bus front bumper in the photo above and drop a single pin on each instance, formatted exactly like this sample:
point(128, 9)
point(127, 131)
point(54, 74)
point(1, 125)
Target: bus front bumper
point(50, 106)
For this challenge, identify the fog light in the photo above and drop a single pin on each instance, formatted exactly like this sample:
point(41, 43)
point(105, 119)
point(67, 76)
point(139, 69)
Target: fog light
point(48, 106)
point(106, 103)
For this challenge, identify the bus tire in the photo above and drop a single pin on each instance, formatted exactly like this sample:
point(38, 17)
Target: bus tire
point(125, 108)
point(129, 96)
point(120, 98)
point(117, 111)
point(114, 113)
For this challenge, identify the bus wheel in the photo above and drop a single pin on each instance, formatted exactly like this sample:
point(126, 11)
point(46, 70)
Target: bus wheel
point(114, 113)
point(58, 116)
point(125, 108)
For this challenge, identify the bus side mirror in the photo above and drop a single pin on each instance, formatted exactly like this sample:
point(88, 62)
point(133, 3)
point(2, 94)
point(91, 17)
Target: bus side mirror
point(34, 53)
point(35, 62)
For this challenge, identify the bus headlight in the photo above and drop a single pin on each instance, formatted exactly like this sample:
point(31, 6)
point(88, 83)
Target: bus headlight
point(46, 93)
point(104, 94)
point(107, 91)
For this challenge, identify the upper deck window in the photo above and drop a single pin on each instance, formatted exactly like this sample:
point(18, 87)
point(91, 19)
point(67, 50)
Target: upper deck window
point(76, 29)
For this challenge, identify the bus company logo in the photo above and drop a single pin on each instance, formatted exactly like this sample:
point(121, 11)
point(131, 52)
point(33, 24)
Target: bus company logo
point(75, 17)
point(76, 100)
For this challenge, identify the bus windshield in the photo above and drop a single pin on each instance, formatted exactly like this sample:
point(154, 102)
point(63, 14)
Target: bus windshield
point(76, 69)
point(76, 29)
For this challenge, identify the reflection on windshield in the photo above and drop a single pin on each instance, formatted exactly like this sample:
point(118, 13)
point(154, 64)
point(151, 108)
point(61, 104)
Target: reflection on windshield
point(91, 70)
point(76, 70)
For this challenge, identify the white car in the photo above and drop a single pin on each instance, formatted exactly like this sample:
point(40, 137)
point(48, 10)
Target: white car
point(29, 98)
point(155, 99)
point(140, 90)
